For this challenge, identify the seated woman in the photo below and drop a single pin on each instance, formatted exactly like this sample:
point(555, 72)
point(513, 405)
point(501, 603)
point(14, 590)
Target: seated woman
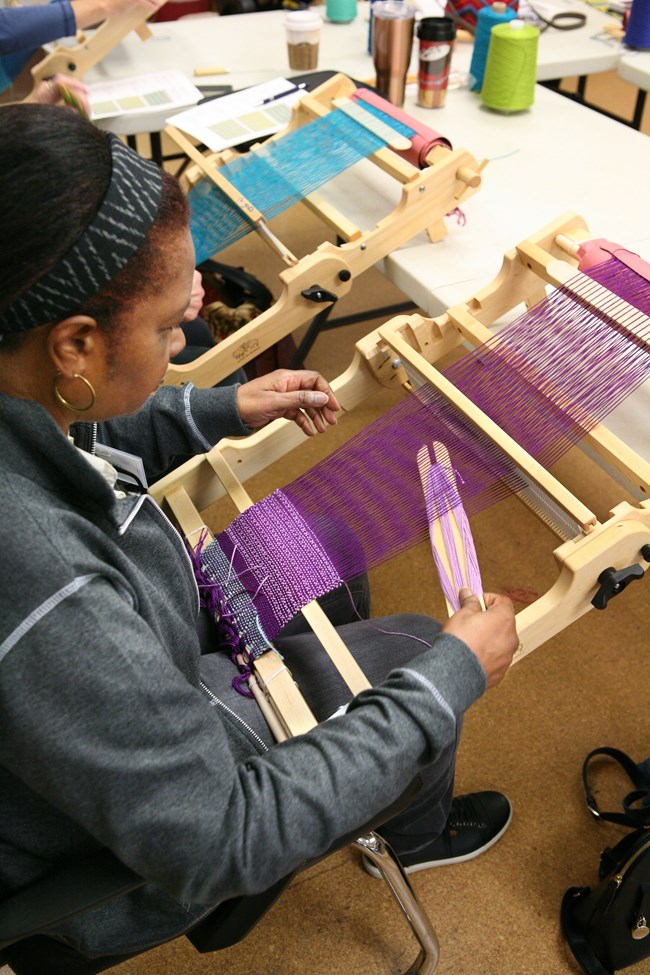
point(115, 730)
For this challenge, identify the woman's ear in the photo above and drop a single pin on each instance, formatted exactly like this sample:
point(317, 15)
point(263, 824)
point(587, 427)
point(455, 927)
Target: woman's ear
point(74, 344)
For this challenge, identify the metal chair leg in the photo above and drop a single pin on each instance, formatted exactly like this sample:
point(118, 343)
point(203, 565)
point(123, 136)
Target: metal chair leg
point(385, 860)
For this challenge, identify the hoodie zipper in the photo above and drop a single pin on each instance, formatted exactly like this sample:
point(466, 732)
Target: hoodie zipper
point(215, 700)
point(178, 538)
point(181, 542)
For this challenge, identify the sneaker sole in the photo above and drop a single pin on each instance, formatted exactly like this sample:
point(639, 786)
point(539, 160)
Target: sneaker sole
point(447, 861)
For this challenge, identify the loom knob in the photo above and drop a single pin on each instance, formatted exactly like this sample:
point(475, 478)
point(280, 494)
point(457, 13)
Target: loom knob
point(612, 582)
point(318, 294)
point(469, 176)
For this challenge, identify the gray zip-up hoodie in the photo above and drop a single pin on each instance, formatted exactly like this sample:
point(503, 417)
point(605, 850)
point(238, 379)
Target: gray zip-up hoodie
point(105, 735)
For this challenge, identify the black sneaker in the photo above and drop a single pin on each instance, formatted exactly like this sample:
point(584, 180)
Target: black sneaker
point(476, 822)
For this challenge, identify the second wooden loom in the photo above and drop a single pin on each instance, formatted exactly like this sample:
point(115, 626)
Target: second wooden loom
point(447, 178)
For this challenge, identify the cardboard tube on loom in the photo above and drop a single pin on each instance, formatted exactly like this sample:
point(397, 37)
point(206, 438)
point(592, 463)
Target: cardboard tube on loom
point(424, 140)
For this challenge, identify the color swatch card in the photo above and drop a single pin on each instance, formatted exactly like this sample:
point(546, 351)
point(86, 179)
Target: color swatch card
point(241, 117)
point(162, 92)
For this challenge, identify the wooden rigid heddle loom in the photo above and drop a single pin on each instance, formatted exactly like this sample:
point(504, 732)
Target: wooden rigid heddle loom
point(331, 128)
point(496, 419)
point(595, 560)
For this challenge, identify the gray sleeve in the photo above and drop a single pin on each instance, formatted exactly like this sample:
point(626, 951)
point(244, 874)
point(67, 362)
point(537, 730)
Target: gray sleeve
point(109, 731)
point(175, 423)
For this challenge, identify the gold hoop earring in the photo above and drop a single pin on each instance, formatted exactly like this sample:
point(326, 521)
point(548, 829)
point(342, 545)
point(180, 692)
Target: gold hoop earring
point(64, 402)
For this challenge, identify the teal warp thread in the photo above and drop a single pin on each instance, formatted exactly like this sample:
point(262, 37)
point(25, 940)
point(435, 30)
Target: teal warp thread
point(280, 174)
point(487, 18)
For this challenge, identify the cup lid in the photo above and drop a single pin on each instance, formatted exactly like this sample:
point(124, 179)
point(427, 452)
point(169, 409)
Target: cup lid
point(304, 19)
point(393, 9)
point(436, 29)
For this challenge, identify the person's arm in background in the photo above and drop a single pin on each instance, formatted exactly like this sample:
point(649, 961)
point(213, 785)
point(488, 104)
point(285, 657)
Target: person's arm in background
point(26, 28)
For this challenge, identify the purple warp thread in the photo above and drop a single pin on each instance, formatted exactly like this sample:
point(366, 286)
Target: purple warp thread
point(362, 504)
point(546, 379)
point(623, 280)
point(559, 369)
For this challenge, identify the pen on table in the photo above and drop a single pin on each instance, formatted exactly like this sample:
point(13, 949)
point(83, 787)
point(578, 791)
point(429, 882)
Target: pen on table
point(283, 94)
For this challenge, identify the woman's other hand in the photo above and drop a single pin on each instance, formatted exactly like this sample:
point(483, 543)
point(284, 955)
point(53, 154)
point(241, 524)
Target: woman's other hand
point(301, 395)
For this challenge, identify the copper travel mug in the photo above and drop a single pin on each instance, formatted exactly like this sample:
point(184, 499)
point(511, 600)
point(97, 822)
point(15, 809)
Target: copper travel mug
point(392, 45)
point(436, 36)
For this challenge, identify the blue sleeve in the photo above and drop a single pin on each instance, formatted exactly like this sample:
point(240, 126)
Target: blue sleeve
point(26, 28)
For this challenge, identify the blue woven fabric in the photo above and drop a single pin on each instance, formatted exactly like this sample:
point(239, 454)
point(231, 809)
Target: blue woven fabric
point(280, 174)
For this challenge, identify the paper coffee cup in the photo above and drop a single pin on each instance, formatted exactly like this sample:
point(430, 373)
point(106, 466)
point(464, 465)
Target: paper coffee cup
point(303, 29)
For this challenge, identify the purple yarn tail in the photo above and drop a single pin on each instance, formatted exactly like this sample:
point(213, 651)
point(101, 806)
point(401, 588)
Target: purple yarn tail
point(213, 599)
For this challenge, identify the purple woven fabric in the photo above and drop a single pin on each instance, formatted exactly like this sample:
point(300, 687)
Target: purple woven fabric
point(546, 379)
point(358, 507)
point(278, 560)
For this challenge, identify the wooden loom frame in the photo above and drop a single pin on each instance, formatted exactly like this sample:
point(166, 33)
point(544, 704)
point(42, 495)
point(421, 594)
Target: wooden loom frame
point(89, 51)
point(426, 196)
point(379, 360)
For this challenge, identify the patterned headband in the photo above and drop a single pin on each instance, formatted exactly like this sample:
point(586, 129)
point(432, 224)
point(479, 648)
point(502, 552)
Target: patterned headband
point(122, 222)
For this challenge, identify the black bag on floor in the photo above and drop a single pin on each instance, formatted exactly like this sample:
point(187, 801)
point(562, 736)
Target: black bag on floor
point(608, 927)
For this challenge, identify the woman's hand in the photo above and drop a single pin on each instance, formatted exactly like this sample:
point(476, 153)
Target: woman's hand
point(196, 298)
point(62, 88)
point(300, 395)
point(490, 634)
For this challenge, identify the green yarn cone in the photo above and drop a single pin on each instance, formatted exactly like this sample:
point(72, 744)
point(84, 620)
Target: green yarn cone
point(509, 79)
